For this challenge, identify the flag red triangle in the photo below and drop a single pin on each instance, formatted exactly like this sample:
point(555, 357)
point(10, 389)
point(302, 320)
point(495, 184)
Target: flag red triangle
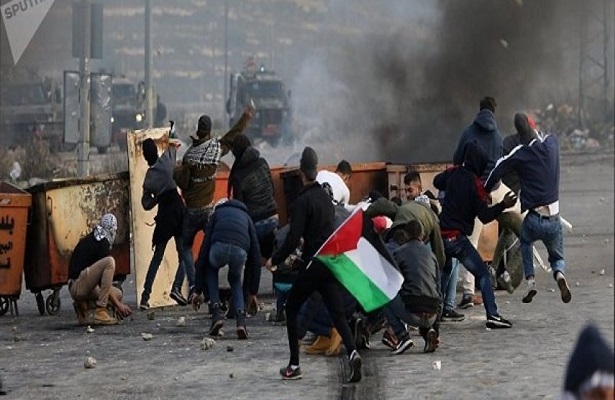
point(346, 237)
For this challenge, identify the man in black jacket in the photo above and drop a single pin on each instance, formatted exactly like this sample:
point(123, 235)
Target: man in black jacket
point(466, 199)
point(313, 219)
point(419, 299)
point(250, 182)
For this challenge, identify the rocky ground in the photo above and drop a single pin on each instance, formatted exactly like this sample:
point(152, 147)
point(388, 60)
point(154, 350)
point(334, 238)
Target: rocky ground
point(43, 356)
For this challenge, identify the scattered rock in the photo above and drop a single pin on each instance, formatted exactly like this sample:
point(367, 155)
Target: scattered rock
point(611, 285)
point(577, 284)
point(89, 362)
point(89, 329)
point(176, 378)
point(552, 290)
point(181, 321)
point(229, 348)
point(601, 199)
point(602, 272)
point(123, 378)
point(151, 315)
point(437, 365)
point(231, 375)
point(606, 241)
point(207, 343)
point(147, 336)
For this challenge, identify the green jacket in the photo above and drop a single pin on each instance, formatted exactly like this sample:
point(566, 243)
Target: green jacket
point(411, 210)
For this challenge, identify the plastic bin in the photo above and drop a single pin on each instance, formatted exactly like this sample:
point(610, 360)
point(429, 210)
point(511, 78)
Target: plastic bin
point(63, 211)
point(14, 206)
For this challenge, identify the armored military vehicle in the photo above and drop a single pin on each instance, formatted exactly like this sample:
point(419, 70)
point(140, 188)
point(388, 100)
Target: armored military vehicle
point(266, 92)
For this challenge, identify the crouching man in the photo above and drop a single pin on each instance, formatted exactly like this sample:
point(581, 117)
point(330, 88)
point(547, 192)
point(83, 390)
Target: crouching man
point(419, 300)
point(91, 269)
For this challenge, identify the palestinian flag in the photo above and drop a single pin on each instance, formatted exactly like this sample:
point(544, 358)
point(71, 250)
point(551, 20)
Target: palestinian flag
point(356, 255)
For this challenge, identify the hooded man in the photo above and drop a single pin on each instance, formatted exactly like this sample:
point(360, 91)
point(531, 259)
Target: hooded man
point(465, 200)
point(196, 177)
point(313, 218)
point(591, 370)
point(484, 132)
point(90, 274)
point(250, 182)
point(536, 162)
point(159, 189)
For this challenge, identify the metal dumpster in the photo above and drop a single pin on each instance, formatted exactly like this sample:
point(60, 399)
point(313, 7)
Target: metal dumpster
point(63, 211)
point(14, 206)
point(388, 179)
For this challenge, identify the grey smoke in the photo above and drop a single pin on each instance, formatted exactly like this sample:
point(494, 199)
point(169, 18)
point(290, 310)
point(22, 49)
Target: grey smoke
point(406, 85)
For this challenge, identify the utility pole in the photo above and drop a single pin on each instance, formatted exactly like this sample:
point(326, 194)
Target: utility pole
point(83, 152)
point(225, 58)
point(594, 70)
point(149, 99)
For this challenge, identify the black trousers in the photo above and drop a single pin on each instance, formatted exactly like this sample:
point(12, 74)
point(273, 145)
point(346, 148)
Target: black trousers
point(316, 278)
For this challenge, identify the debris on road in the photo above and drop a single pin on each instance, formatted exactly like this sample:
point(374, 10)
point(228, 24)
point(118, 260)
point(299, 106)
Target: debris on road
point(181, 321)
point(147, 336)
point(437, 365)
point(89, 329)
point(207, 343)
point(89, 362)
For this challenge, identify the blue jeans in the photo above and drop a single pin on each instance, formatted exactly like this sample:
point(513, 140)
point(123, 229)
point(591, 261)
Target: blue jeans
point(549, 231)
point(265, 232)
point(314, 317)
point(449, 283)
point(195, 220)
point(396, 313)
point(461, 248)
point(221, 254)
point(152, 270)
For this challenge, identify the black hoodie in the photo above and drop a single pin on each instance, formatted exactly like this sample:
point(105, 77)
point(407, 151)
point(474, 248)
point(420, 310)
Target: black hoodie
point(465, 197)
point(251, 183)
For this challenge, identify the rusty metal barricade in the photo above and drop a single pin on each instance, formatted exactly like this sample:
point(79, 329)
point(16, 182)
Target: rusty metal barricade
point(64, 211)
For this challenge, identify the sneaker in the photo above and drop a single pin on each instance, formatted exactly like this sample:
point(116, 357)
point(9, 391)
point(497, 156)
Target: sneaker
point(217, 320)
point(176, 295)
point(242, 333)
point(290, 374)
point(505, 282)
point(452, 316)
point(564, 289)
point(431, 341)
point(530, 292)
point(466, 301)
point(355, 367)
point(403, 345)
point(390, 340)
point(143, 306)
point(497, 322)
